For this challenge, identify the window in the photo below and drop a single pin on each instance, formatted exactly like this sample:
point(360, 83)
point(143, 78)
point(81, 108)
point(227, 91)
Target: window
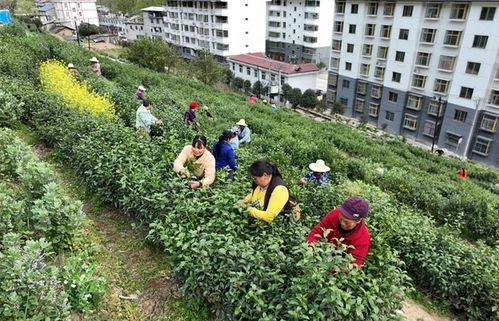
point(336, 45)
point(338, 26)
point(482, 146)
point(429, 128)
point(472, 68)
point(452, 139)
point(458, 11)
point(488, 13)
point(351, 28)
point(309, 39)
point(446, 63)
point(367, 50)
point(386, 31)
point(335, 63)
point(410, 122)
point(393, 97)
point(308, 27)
point(355, 9)
point(349, 47)
point(344, 102)
point(480, 41)
point(348, 65)
point(399, 56)
point(248, 71)
point(379, 73)
point(382, 52)
point(466, 93)
point(428, 35)
point(361, 87)
point(441, 86)
point(340, 7)
point(376, 91)
point(414, 102)
point(404, 34)
point(364, 69)
point(373, 109)
point(433, 10)
point(489, 123)
point(240, 68)
point(423, 58)
point(389, 9)
point(389, 115)
point(370, 28)
point(418, 81)
point(494, 98)
point(359, 105)
point(407, 12)
point(264, 75)
point(433, 108)
point(460, 115)
point(452, 38)
point(255, 73)
point(372, 8)
point(345, 83)
point(396, 76)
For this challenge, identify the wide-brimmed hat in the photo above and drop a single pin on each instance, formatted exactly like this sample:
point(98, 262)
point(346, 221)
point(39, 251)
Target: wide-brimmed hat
point(319, 166)
point(93, 59)
point(242, 122)
point(193, 104)
point(355, 208)
point(141, 88)
point(70, 65)
point(205, 107)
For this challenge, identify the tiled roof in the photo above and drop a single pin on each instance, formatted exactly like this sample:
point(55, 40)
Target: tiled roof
point(260, 60)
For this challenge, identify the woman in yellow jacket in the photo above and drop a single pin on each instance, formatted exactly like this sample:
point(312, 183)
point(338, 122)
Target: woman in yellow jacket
point(270, 196)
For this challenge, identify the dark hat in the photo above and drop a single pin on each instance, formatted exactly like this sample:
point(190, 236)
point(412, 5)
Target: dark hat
point(355, 208)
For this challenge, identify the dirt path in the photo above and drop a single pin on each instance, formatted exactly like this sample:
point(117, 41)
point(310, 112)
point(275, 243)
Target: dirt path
point(415, 312)
point(138, 278)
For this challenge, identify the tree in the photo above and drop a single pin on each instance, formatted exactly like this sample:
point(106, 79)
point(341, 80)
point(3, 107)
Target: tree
point(338, 108)
point(285, 89)
point(258, 88)
point(229, 76)
point(153, 54)
point(87, 29)
point(238, 83)
point(247, 86)
point(206, 69)
point(308, 99)
point(294, 96)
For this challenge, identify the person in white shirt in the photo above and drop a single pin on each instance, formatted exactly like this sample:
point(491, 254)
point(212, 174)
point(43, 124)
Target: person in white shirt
point(144, 118)
point(244, 133)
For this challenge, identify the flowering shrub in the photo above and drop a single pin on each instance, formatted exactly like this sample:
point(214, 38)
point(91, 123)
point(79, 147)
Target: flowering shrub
point(55, 78)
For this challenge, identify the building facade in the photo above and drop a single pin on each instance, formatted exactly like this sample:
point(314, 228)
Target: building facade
point(299, 30)
point(257, 67)
point(75, 12)
point(428, 70)
point(224, 28)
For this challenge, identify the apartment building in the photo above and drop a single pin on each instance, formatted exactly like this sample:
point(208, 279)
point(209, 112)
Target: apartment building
point(74, 12)
point(428, 70)
point(222, 27)
point(299, 30)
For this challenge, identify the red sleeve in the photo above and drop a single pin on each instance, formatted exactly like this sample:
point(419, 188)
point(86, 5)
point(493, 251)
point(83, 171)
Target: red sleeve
point(359, 252)
point(318, 231)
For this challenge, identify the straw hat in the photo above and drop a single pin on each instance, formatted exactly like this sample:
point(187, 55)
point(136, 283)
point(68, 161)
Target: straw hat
point(205, 107)
point(319, 166)
point(70, 65)
point(242, 122)
point(141, 88)
point(94, 59)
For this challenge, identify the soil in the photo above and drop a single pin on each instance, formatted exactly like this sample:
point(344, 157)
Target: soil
point(415, 312)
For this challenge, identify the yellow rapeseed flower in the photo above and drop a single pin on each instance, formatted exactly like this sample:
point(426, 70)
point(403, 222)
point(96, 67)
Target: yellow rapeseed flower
point(56, 78)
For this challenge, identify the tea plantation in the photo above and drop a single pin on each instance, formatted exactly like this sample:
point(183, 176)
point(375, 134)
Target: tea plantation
point(428, 228)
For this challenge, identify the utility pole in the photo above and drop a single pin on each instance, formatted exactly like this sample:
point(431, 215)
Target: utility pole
point(88, 33)
point(436, 131)
point(77, 34)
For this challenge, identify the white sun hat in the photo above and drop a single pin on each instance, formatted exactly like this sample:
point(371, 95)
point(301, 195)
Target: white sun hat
point(242, 122)
point(94, 59)
point(141, 88)
point(70, 65)
point(319, 166)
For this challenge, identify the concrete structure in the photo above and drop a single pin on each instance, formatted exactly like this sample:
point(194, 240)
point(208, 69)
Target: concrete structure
point(134, 28)
point(299, 30)
point(222, 27)
point(74, 12)
point(427, 70)
point(257, 67)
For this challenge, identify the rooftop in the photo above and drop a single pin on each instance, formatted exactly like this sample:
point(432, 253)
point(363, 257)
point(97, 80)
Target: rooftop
point(260, 60)
point(160, 9)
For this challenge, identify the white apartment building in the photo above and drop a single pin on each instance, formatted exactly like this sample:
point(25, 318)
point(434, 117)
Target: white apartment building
point(74, 12)
point(428, 70)
point(299, 30)
point(222, 27)
point(257, 67)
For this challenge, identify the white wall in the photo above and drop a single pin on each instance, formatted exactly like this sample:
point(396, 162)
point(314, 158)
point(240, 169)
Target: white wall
point(71, 11)
point(303, 81)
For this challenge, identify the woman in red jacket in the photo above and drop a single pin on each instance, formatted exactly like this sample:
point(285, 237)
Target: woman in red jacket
point(346, 222)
